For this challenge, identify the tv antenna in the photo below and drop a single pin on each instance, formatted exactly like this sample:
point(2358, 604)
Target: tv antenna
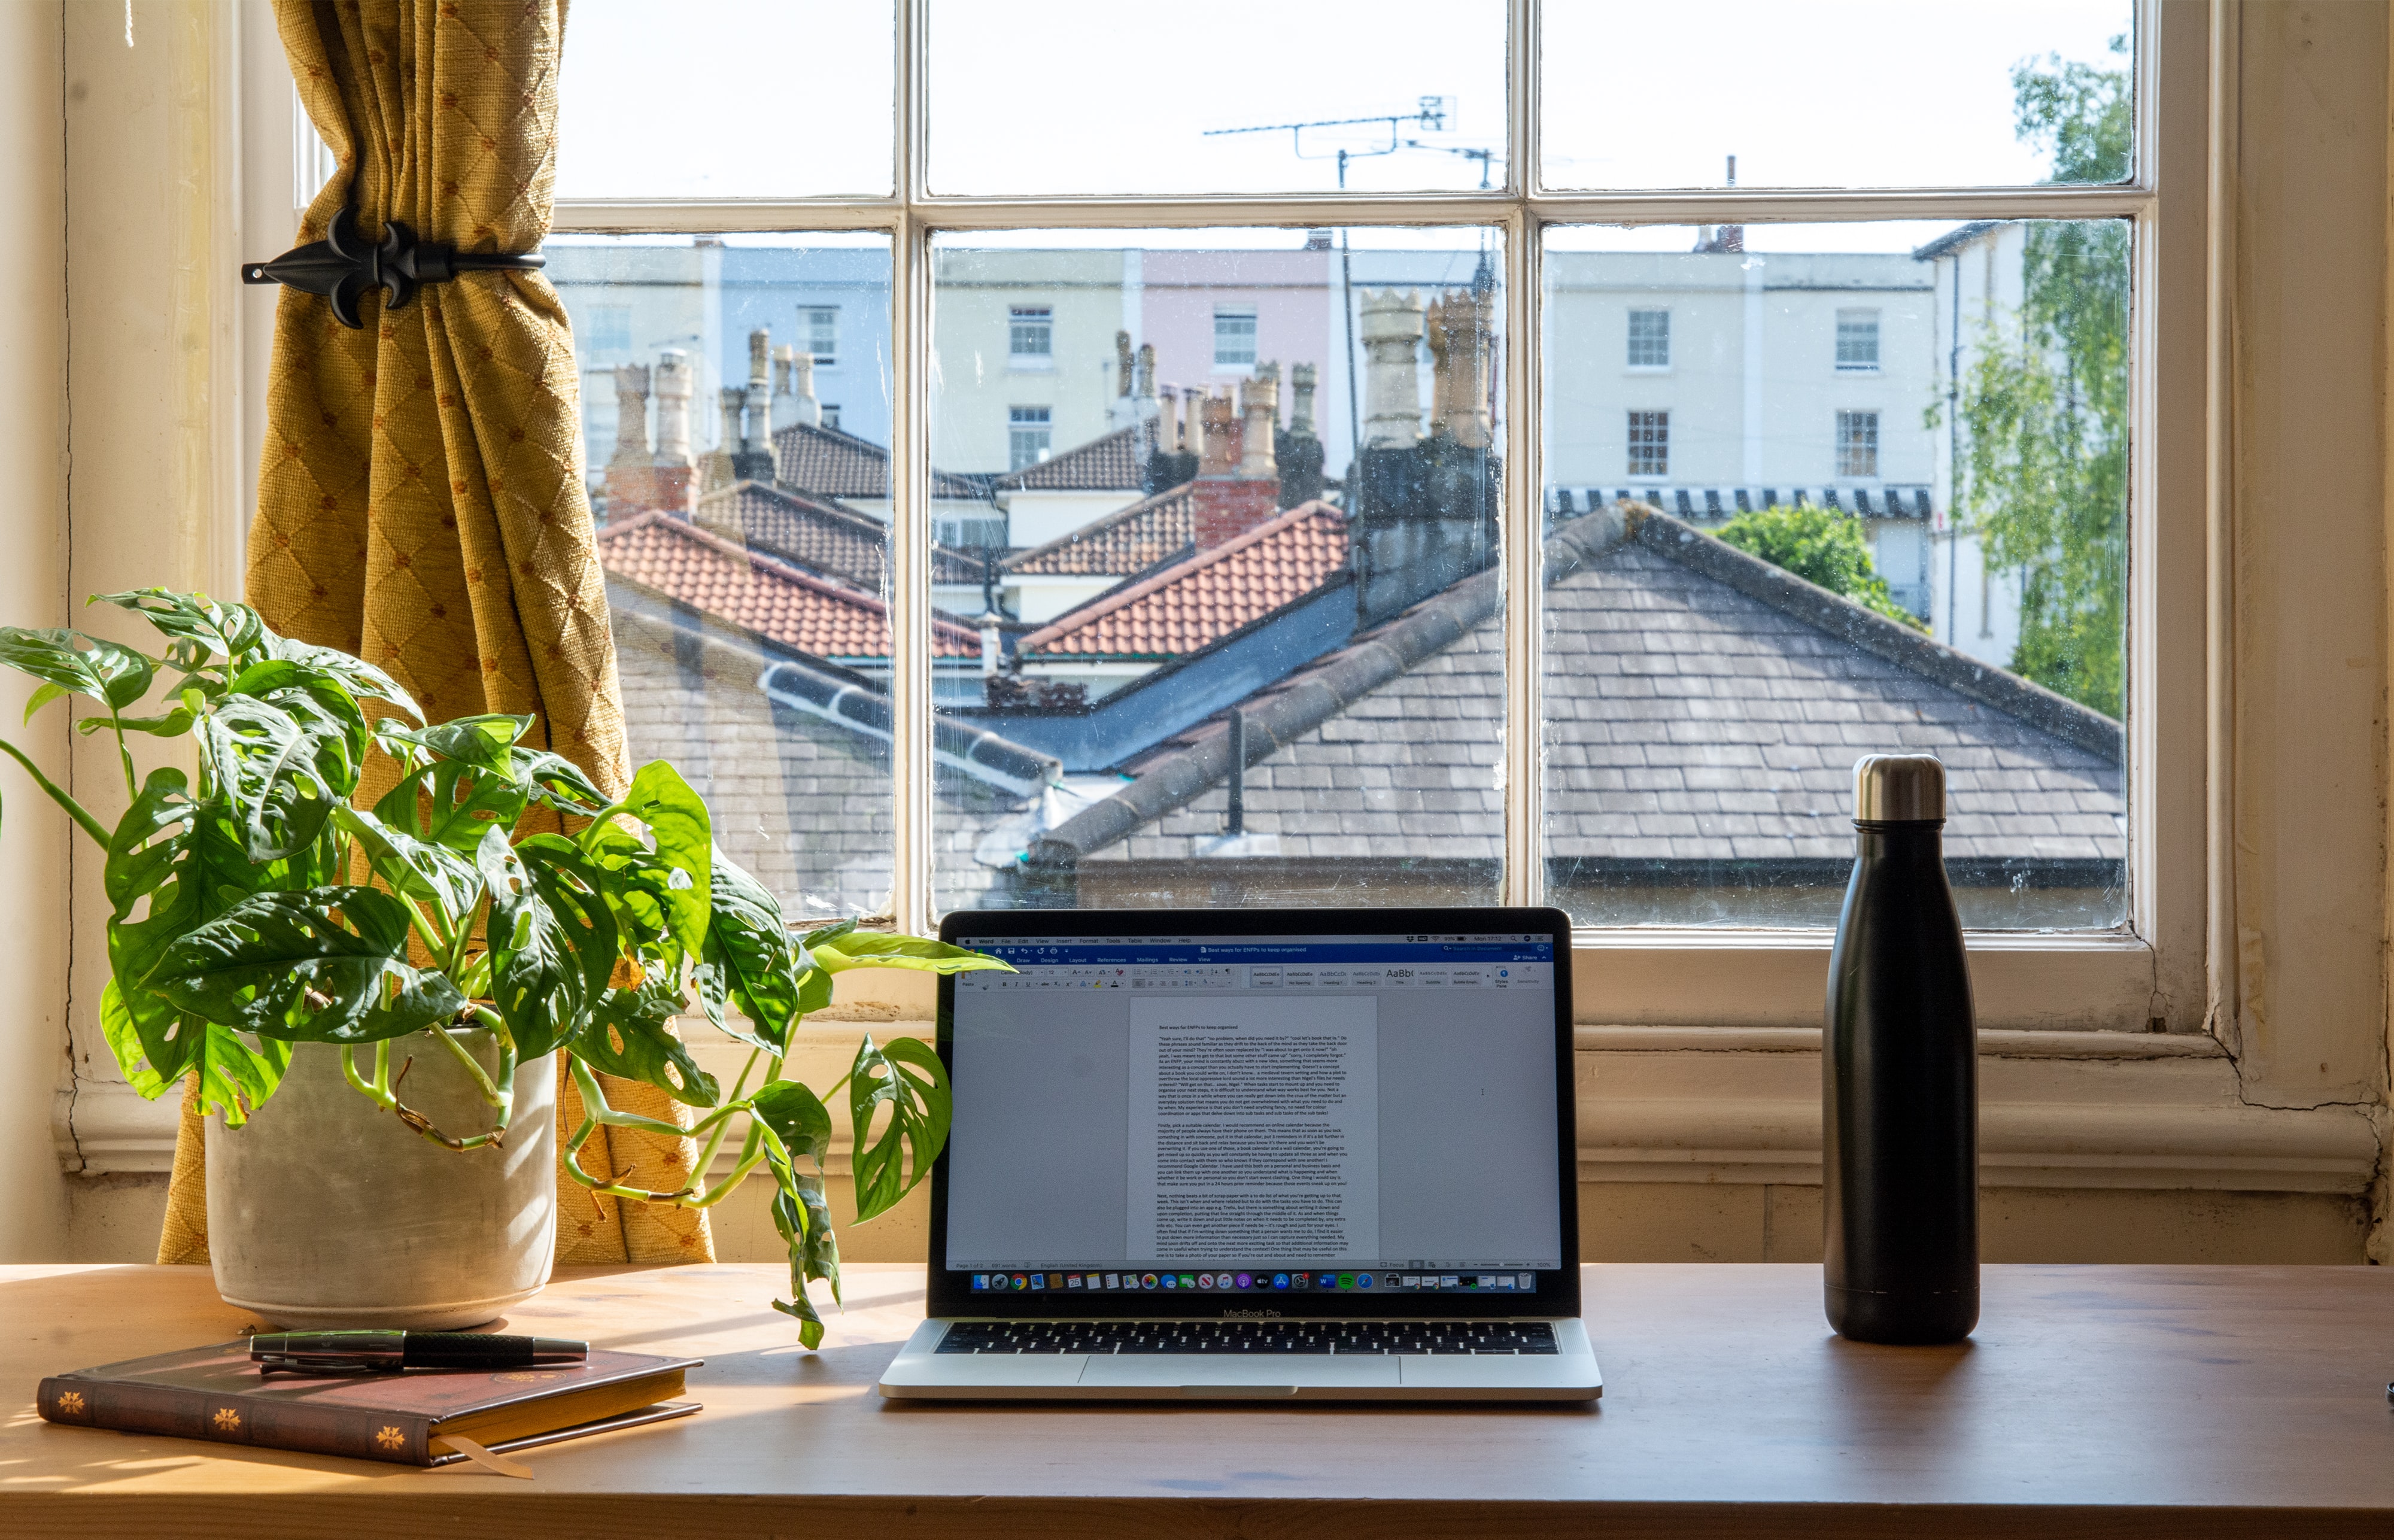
point(1430, 115)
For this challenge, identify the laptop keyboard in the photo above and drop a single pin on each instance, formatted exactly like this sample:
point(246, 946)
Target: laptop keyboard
point(1249, 1336)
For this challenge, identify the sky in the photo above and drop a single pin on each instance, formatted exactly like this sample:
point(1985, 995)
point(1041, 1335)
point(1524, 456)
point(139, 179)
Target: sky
point(791, 98)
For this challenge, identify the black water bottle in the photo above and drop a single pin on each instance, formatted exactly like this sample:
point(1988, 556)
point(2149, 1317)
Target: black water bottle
point(1898, 1075)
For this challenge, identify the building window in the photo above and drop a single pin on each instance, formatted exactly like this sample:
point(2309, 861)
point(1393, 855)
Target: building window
point(1649, 443)
point(1027, 437)
point(610, 329)
point(1858, 340)
point(1649, 339)
point(1857, 443)
point(1234, 336)
point(831, 414)
point(823, 333)
point(1030, 339)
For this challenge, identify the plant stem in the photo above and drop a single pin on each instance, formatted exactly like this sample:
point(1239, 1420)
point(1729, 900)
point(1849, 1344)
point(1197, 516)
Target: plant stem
point(75, 809)
point(574, 1169)
point(350, 1072)
point(588, 838)
point(382, 1070)
point(752, 1150)
point(473, 1067)
point(715, 1140)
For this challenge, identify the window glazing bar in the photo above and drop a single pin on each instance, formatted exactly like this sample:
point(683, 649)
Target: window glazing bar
point(1523, 478)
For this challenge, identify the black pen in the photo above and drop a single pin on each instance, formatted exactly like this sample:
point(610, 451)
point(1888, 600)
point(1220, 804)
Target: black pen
point(375, 1353)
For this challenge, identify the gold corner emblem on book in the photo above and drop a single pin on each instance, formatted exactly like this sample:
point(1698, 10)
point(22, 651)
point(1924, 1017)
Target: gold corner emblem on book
point(71, 1403)
point(227, 1419)
point(389, 1438)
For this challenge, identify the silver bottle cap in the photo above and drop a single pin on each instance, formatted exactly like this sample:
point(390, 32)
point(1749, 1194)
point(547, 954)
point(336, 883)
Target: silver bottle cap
point(1898, 788)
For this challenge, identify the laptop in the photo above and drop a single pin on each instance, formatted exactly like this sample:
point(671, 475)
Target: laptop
point(1256, 1155)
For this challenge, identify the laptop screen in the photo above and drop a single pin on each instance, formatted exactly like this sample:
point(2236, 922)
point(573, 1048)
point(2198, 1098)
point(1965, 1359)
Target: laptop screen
point(1246, 1119)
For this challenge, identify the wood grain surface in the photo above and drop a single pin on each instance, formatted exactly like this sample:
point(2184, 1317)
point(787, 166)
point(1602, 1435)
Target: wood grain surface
point(2093, 1400)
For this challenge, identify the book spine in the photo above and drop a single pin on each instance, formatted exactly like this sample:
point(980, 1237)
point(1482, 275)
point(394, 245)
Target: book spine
point(397, 1436)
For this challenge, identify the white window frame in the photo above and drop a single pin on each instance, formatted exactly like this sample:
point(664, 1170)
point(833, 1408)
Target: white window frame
point(1837, 344)
point(1629, 341)
point(1254, 338)
point(1654, 422)
point(814, 315)
point(1842, 437)
point(1020, 316)
point(1017, 423)
point(2155, 968)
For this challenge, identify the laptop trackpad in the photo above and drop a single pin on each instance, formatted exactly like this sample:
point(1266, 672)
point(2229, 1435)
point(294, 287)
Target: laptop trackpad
point(1276, 1374)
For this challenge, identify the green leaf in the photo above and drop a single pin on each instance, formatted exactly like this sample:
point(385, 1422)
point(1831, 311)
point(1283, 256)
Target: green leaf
point(572, 886)
point(449, 881)
point(232, 630)
point(482, 741)
point(42, 696)
point(796, 1117)
point(678, 823)
point(329, 964)
point(559, 781)
point(542, 989)
point(235, 1074)
point(114, 676)
point(908, 1078)
point(831, 932)
point(630, 1034)
point(747, 963)
point(285, 775)
point(879, 949)
point(803, 1217)
point(363, 680)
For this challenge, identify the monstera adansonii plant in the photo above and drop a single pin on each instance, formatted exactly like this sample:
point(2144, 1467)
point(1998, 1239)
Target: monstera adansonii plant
point(493, 886)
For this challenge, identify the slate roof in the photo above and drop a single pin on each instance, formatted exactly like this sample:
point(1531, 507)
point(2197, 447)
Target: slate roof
point(829, 462)
point(1110, 463)
point(1198, 601)
point(1126, 541)
point(695, 566)
point(820, 536)
point(1699, 704)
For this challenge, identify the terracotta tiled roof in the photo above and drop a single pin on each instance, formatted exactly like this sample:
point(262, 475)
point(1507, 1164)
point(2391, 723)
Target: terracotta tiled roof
point(1110, 463)
point(829, 462)
point(755, 592)
point(819, 534)
point(1128, 540)
point(1204, 599)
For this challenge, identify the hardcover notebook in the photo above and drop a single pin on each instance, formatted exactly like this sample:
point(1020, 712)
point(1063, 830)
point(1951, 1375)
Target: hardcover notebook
point(217, 1393)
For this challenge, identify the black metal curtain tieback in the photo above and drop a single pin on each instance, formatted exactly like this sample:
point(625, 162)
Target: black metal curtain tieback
point(344, 265)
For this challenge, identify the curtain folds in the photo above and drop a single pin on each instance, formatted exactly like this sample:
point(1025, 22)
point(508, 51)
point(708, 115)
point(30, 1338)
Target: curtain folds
point(421, 500)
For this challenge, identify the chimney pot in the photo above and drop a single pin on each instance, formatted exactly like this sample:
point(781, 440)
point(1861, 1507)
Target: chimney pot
point(1260, 405)
point(673, 481)
point(1392, 325)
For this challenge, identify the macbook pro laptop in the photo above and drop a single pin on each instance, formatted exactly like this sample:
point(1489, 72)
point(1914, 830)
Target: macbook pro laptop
point(1320, 1153)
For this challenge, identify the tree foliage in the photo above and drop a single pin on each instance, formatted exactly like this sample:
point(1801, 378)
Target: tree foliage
point(1819, 545)
point(2043, 478)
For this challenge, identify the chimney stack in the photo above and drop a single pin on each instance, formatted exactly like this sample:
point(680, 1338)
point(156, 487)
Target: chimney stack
point(1392, 335)
point(1229, 501)
point(1300, 384)
point(752, 459)
point(1259, 403)
point(631, 415)
point(673, 487)
point(1457, 328)
point(630, 488)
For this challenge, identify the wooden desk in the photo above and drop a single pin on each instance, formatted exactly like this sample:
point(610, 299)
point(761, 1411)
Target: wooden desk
point(2114, 1401)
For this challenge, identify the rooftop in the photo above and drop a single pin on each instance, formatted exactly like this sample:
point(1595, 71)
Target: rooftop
point(819, 534)
point(1126, 541)
point(1110, 463)
point(1700, 705)
point(1198, 601)
point(692, 566)
point(829, 462)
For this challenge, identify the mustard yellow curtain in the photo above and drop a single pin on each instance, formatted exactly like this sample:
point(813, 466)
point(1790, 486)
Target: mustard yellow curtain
point(421, 500)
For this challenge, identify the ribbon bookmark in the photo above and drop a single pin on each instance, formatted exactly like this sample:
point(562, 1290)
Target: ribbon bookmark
point(497, 1465)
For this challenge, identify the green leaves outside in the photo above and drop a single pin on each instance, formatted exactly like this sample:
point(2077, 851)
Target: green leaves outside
point(1821, 545)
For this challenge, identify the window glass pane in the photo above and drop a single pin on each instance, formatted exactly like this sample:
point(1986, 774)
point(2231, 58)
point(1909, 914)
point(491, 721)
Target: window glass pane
point(726, 98)
point(1858, 93)
point(744, 537)
point(1095, 97)
point(1258, 451)
point(1961, 505)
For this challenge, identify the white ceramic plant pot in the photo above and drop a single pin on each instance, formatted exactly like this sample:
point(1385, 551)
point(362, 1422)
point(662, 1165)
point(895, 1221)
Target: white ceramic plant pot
point(326, 1211)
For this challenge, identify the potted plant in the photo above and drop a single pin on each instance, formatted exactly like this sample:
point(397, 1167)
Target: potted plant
point(493, 901)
